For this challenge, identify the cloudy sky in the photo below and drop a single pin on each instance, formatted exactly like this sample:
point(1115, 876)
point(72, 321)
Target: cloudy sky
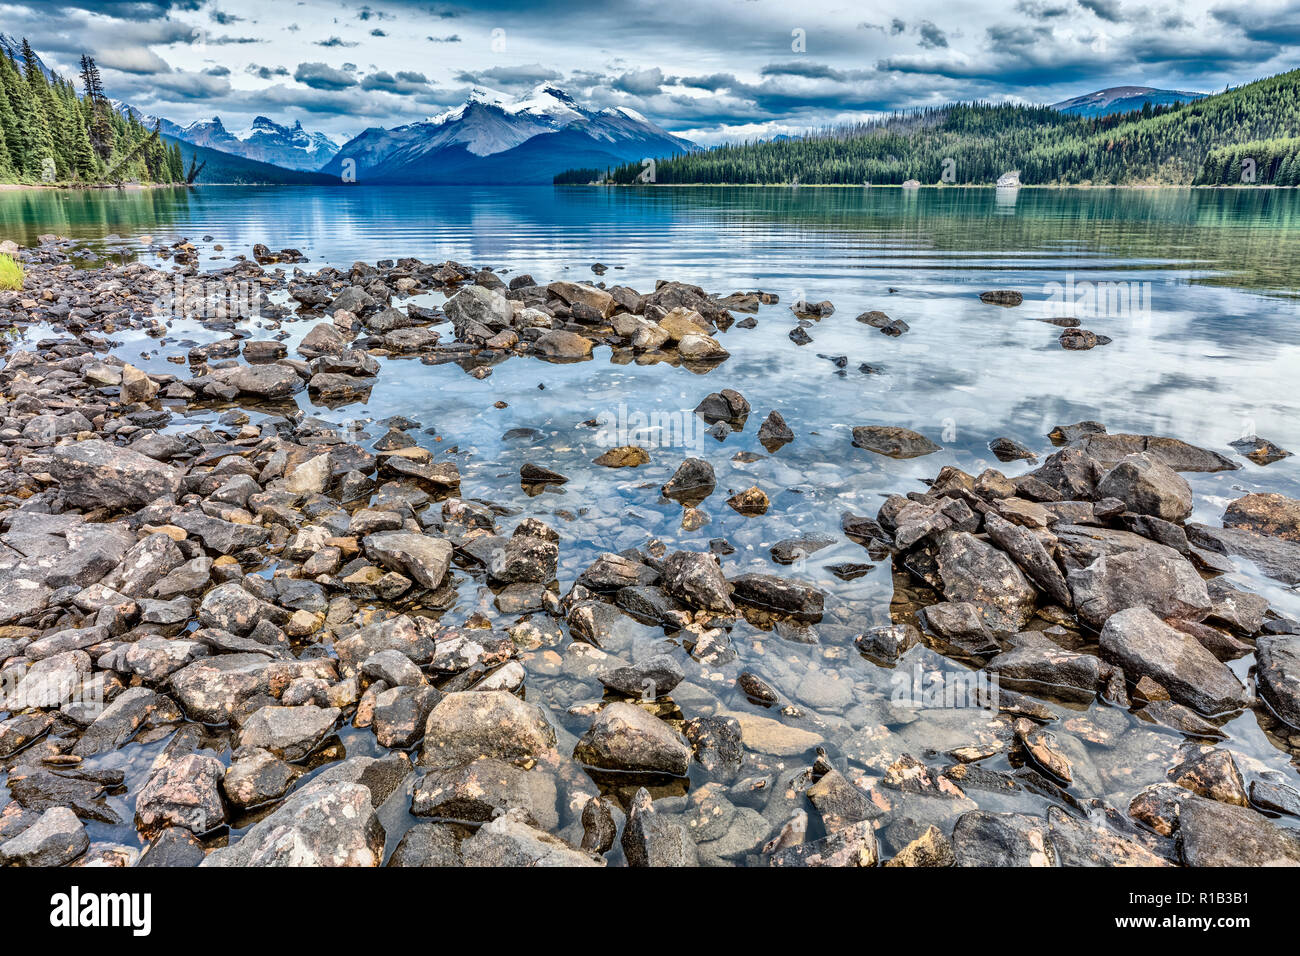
point(710, 70)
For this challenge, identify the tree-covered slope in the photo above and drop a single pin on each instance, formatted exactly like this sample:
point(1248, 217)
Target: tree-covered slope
point(213, 166)
point(975, 143)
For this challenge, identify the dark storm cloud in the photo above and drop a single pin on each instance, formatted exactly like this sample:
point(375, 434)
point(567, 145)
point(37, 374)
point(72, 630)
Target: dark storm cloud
point(321, 76)
point(1270, 25)
point(931, 36)
point(265, 72)
point(1105, 9)
point(402, 84)
point(510, 77)
point(641, 82)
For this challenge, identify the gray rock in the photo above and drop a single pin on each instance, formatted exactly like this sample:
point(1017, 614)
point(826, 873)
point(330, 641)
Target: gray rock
point(420, 557)
point(980, 574)
point(626, 737)
point(469, 724)
point(1148, 487)
point(1277, 675)
point(1178, 455)
point(1211, 833)
point(695, 579)
point(510, 841)
point(213, 689)
point(648, 679)
point(256, 777)
point(56, 838)
point(288, 732)
point(94, 474)
point(651, 839)
point(1028, 552)
point(981, 838)
point(429, 844)
point(893, 442)
point(184, 792)
point(1143, 645)
point(853, 845)
point(1152, 577)
point(324, 824)
point(401, 714)
point(691, 483)
point(779, 595)
point(483, 789)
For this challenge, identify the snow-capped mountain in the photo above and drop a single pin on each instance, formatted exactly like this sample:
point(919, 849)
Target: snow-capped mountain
point(265, 141)
point(13, 48)
point(494, 138)
point(146, 120)
point(1123, 99)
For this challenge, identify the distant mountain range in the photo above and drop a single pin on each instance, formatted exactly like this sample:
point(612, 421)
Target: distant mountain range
point(265, 141)
point(1123, 99)
point(289, 147)
point(495, 139)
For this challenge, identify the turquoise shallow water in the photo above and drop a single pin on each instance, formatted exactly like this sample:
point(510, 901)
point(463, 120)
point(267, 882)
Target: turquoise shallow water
point(1211, 351)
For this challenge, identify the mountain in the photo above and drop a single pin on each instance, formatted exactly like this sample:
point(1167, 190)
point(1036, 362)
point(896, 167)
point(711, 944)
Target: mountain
point(14, 49)
point(144, 119)
point(493, 138)
point(1123, 99)
point(266, 141)
point(1207, 140)
point(228, 169)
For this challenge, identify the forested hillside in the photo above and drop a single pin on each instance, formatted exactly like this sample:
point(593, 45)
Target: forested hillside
point(51, 132)
point(1199, 142)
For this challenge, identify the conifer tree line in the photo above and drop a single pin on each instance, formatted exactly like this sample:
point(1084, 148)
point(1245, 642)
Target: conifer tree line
point(1201, 142)
point(53, 132)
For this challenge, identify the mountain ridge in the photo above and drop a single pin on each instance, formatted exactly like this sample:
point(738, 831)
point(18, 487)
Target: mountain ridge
point(1123, 99)
point(543, 131)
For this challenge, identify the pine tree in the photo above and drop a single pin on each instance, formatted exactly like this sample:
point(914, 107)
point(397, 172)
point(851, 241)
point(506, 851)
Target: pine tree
point(101, 127)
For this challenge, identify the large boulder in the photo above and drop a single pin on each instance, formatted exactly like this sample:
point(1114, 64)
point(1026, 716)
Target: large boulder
point(330, 823)
point(696, 579)
point(477, 306)
point(510, 840)
point(57, 837)
point(466, 725)
point(1277, 675)
point(1270, 514)
point(575, 292)
point(627, 737)
point(184, 791)
point(975, 572)
point(94, 474)
point(420, 557)
point(1211, 833)
point(981, 838)
point(1153, 577)
point(1145, 646)
point(1148, 487)
point(1178, 455)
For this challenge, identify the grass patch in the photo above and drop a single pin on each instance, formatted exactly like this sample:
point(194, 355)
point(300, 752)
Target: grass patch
point(11, 274)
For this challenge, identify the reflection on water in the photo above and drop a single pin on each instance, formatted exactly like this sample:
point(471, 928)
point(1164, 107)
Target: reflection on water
point(1212, 354)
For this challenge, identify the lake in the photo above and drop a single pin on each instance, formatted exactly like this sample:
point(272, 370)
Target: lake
point(1195, 288)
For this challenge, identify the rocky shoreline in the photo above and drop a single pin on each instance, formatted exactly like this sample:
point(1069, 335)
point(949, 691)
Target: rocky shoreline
point(252, 633)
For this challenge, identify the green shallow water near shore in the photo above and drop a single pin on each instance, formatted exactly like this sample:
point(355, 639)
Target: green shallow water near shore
point(1216, 355)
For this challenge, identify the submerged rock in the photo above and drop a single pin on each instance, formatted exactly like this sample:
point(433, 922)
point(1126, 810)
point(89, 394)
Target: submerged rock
point(893, 442)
